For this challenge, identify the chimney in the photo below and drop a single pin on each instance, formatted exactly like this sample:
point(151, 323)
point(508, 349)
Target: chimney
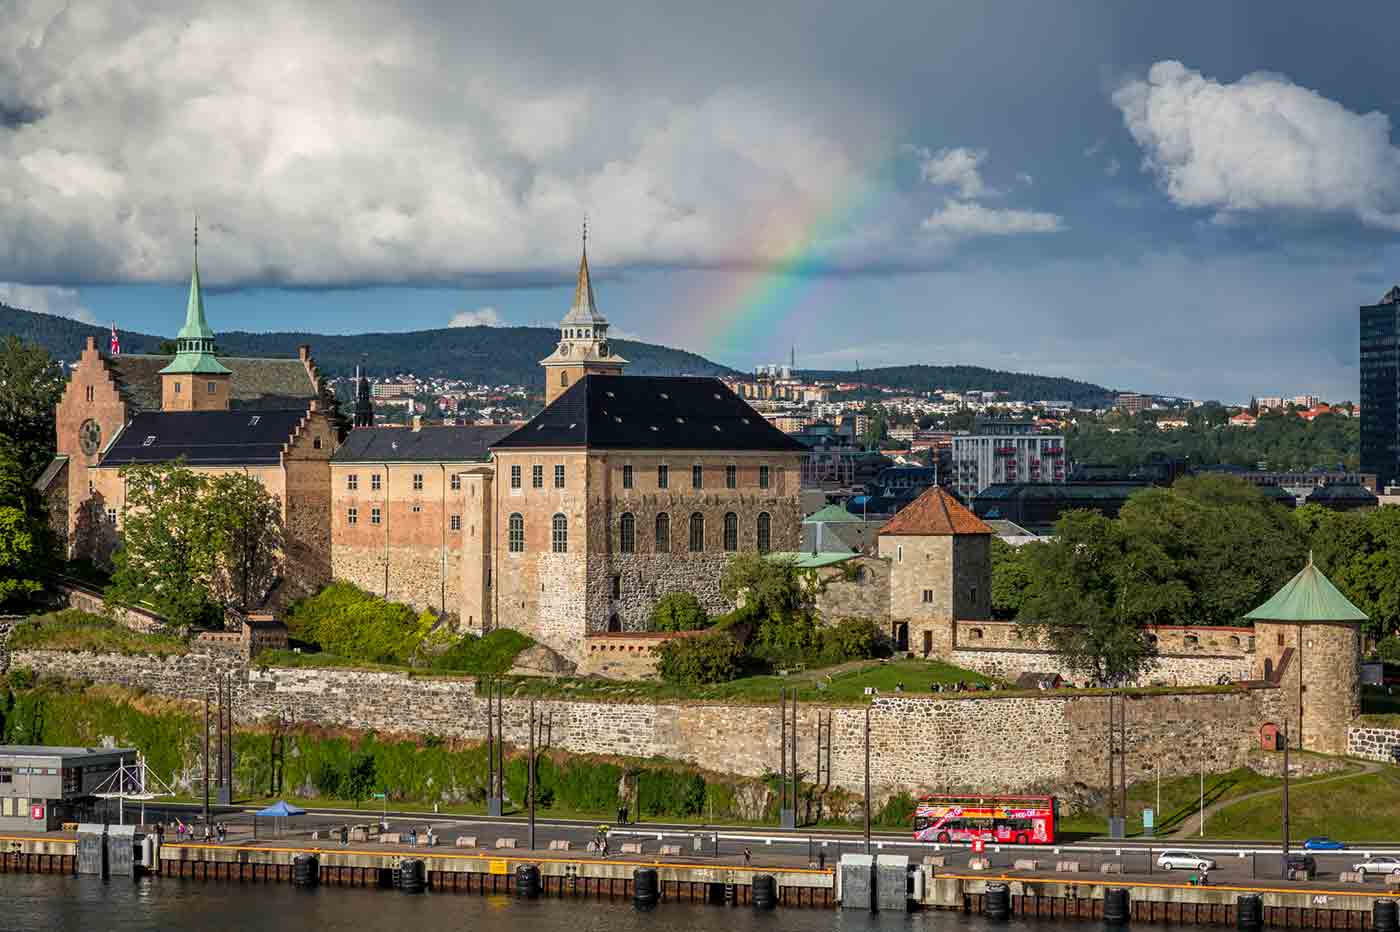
point(417, 423)
point(304, 351)
point(92, 344)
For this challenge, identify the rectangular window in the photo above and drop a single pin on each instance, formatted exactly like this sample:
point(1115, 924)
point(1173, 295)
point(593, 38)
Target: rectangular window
point(928, 595)
point(374, 482)
point(374, 516)
point(456, 522)
point(352, 482)
point(558, 475)
point(417, 507)
point(456, 482)
point(178, 386)
point(663, 476)
point(537, 477)
point(517, 533)
point(627, 477)
point(515, 477)
point(352, 516)
point(763, 477)
point(418, 482)
point(697, 476)
point(559, 534)
point(731, 477)
point(111, 516)
point(213, 387)
point(89, 393)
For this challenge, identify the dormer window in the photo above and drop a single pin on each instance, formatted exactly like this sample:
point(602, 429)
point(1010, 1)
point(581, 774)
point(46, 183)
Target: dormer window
point(148, 441)
point(253, 421)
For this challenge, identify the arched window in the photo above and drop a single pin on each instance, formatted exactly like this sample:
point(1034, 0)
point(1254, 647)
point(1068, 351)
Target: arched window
point(627, 533)
point(731, 531)
point(517, 533)
point(697, 533)
point(559, 536)
point(765, 532)
point(563, 379)
point(663, 533)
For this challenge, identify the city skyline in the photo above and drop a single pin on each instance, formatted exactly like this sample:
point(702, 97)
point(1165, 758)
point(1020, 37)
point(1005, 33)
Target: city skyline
point(1125, 197)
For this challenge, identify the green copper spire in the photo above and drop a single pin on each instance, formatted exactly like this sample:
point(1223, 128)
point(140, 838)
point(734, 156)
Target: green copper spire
point(196, 337)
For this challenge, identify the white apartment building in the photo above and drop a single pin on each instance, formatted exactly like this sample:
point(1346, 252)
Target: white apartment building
point(979, 460)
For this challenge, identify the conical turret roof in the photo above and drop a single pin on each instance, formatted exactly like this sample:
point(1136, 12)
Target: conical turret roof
point(196, 337)
point(585, 307)
point(1309, 596)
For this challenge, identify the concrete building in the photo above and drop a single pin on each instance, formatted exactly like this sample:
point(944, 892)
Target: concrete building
point(1006, 451)
point(1380, 388)
point(43, 787)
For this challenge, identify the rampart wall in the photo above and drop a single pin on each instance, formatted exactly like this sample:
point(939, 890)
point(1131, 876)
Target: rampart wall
point(987, 741)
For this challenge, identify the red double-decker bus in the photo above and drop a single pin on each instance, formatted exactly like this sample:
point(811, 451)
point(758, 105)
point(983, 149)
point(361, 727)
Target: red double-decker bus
point(1021, 820)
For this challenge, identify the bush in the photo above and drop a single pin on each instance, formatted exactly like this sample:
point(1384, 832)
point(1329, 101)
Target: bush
point(678, 611)
point(850, 639)
point(22, 678)
point(670, 793)
point(494, 653)
point(897, 812)
point(343, 619)
point(713, 657)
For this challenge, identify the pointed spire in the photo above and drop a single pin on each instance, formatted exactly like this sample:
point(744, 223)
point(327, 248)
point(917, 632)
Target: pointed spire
point(196, 327)
point(585, 306)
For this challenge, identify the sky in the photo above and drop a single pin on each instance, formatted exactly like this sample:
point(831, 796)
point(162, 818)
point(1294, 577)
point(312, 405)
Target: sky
point(1186, 198)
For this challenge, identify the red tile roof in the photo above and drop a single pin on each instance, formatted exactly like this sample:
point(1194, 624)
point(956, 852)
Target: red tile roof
point(936, 513)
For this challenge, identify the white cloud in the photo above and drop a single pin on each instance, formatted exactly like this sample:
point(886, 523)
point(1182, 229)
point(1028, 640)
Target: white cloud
point(481, 317)
point(1262, 142)
point(60, 302)
point(372, 144)
point(966, 219)
point(958, 168)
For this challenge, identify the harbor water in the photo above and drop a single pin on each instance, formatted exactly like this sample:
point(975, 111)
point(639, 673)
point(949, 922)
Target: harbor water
point(77, 904)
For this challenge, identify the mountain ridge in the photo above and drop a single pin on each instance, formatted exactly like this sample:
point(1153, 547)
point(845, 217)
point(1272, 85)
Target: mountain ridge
point(510, 355)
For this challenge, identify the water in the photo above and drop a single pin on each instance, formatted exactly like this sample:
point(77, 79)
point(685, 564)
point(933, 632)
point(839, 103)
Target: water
point(48, 902)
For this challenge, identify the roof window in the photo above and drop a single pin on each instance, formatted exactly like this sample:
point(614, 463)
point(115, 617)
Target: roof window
point(572, 426)
point(716, 427)
point(680, 420)
point(665, 397)
point(618, 419)
point(148, 441)
point(717, 397)
point(655, 428)
point(610, 394)
point(253, 421)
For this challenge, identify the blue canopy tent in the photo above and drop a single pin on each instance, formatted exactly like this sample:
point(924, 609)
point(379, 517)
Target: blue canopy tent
point(278, 810)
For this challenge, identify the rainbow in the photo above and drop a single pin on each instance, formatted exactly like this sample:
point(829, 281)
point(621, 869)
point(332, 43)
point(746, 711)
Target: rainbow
point(750, 308)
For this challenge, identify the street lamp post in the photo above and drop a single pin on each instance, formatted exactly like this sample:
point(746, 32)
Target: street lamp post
point(1203, 793)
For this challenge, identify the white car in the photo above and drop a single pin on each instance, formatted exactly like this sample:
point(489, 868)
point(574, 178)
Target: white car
point(1184, 860)
point(1380, 864)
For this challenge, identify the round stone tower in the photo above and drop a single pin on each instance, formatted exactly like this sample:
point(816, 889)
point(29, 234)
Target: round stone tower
point(1307, 641)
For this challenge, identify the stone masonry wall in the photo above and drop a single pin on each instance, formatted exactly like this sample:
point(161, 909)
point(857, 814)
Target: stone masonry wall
point(857, 588)
point(1372, 743)
point(1170, 670)
point(917, 743)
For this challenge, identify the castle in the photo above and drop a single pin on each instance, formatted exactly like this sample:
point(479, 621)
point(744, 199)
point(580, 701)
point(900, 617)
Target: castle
point(623, 489)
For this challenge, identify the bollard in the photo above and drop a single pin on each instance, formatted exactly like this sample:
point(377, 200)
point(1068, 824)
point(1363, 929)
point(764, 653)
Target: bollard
point(412, 877)
point(765, 891)
point(997, 902)
point(306, 870)
point(645, 890)
point(527, 881)
point(1115, 905)
point(1383, 916)
point(1249, 912)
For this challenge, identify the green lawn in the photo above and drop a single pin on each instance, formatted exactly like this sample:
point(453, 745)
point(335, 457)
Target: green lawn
point(73, 630)
point(1366, 808)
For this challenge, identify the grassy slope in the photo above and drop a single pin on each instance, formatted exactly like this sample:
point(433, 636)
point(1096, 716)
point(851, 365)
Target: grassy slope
point(1366, 808)
point(73, 630)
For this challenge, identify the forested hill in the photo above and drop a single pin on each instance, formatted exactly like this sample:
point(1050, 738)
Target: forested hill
point(1021, 386)
point(492, 355)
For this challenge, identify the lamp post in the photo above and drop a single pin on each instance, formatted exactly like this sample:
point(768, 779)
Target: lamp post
point(1203, 793)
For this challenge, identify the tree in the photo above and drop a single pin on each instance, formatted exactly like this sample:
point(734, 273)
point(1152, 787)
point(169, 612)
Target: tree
point(362, 777)
point(22, 534)
point(712, 657)
point(1360, 553)
point(31, 384)
point(678, 611)
point(246, 522)
point(169, 551)
point(767, 587)
point(1010, 577)
point(1080, 600)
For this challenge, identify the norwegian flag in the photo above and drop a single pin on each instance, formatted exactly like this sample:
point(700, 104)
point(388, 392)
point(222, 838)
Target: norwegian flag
point(114, 345)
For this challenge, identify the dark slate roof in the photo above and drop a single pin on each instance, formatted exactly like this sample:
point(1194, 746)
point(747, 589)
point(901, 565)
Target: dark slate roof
point(50, 472)
point(426, 445)
point(1342, 492)
point(633, 412)
point(204, 438)
point(256, 384)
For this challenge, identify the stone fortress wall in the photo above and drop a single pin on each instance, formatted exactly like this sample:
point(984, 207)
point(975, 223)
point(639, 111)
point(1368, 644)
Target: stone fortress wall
point(946, 742)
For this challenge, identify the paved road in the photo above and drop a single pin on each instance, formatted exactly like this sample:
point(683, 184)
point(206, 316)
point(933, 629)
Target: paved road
point(819, 845)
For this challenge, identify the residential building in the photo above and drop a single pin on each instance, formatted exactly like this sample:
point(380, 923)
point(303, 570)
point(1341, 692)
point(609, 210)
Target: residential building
point(1380, 388)
point(1006, 451)
point(1132, 402)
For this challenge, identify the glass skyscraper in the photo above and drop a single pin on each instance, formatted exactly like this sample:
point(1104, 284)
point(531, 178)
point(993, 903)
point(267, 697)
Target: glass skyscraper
point(1380, 389)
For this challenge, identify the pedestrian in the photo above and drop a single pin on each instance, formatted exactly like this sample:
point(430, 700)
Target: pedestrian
point(748, 855)
point(413, 836)
point(622, 814)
